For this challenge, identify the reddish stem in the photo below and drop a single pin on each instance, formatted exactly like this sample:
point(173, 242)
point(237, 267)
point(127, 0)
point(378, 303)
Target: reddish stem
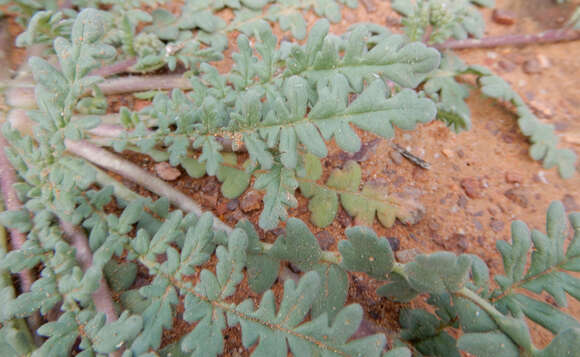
point(23, 97)
point(17, 239)
point(102, 296)
point(549, 36)
point(115, 68)
point(12, 203)
point(143, 83)
point(112, 162)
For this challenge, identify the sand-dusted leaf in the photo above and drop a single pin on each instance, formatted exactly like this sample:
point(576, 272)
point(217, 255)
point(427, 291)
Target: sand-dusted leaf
point(207, 336)
point(234, 181)
point(438, 273)
point(365, 252)
point(261, 269)
point(323, 203)
point(157, 316)
point(120, 276)
point(298, 245)
point(280, 184)
point(275, 332)
point(565, 343)
point(398, 289)
point(391, 58)
point(435, 21)
point(333, 290)
point(424, 330)
point(548, 270)
point(488, 344)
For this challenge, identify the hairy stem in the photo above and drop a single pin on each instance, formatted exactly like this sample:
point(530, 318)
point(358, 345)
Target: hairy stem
point(549, 36)
point(22, 95)
point(489, 308)
point(5, 281)
point(327, 256)
point(102, 296)
point(112, 162)
point(115, 68)
point(12, 203)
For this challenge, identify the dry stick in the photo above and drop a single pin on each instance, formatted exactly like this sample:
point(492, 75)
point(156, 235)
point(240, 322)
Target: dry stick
point(102, 296)
point(548, 36)
point(112, 162)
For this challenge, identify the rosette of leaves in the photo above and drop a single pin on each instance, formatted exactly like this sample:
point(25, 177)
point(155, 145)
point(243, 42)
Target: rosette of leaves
point(279, 109)
point(458, 287)
point(434, 21)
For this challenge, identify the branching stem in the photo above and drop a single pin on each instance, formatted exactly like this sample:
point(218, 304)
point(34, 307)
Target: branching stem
point(549, 36)
point(112, 162)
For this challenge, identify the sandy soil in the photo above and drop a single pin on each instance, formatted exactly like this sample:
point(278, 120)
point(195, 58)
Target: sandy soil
point(493, 154)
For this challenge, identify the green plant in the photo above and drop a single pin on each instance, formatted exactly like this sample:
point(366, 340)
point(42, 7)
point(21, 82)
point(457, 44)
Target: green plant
point(89, 236)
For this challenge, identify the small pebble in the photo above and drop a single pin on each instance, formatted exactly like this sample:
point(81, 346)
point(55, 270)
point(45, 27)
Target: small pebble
point(407, 255)
point(325, 240)
point(532, 66)
point(513, 177)
point(250, 201)
point(472, 187)
point(395, 243)
point(518, 196)
point(233, 204)
point(544, 61)
point(396, 157)
point(167, 172)
point(448, 153)
point(506, 65)
point(496, 225)
point(503, 17)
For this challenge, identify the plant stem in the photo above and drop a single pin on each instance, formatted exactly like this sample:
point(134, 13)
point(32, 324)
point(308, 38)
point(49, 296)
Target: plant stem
point(549, 36)
point(497, 316)
point(115, 68)
point(22, 94)
point(102, 296)
point(143, 83)
point(6, 282)
point(109, 161)
point(12, 203)
point(326, 256)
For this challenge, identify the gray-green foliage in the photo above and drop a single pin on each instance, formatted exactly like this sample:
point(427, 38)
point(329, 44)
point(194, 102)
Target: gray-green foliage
point(434, 21)
point(281, 107)
point(373, 200)
point(194, 35)
point(492, 321)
